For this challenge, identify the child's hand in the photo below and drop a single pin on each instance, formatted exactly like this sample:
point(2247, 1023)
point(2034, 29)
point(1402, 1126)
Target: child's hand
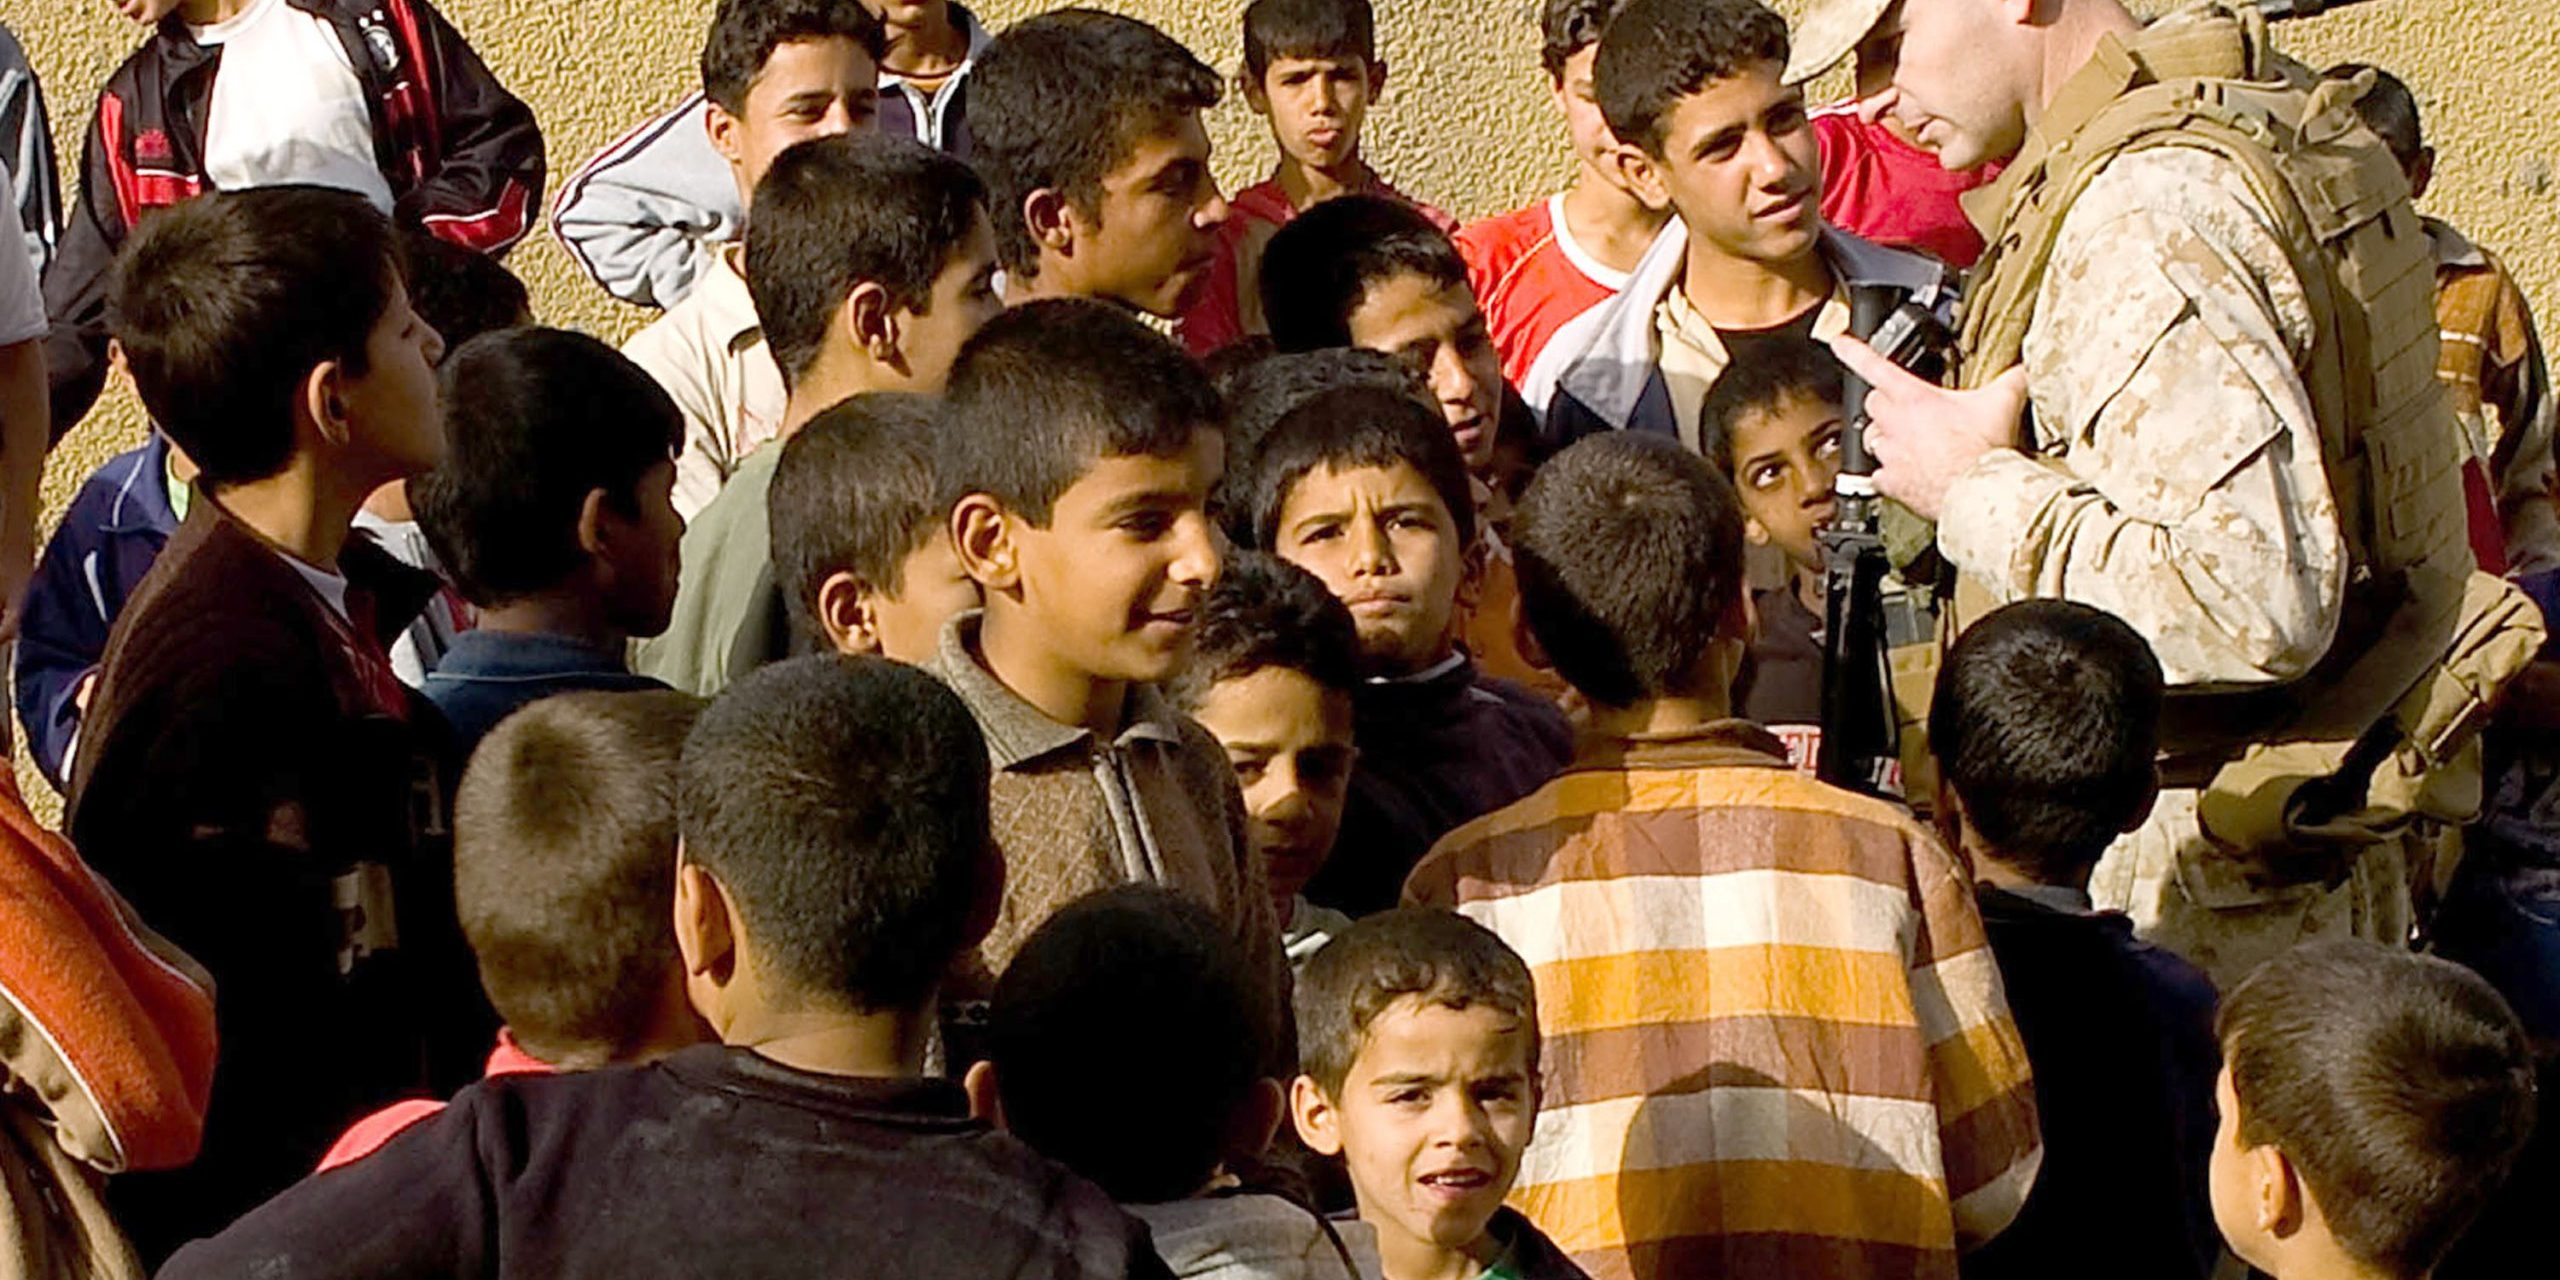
point(145, 12)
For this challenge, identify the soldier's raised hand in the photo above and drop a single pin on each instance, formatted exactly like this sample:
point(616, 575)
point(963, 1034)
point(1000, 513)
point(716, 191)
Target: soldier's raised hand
point(1924, 436)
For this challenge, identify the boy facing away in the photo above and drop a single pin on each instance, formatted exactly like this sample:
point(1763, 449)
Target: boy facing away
point(1311, 71)
point(1420, 1040)
point(564, 857)
point(1078, 503)
point(2371, 1101)
point(1685, 898)
point(1360, 486)
point(1141, 983)
point(834, 861)
point(2046, 724)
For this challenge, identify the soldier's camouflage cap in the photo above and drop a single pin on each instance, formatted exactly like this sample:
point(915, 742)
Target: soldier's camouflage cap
point(1829, 31)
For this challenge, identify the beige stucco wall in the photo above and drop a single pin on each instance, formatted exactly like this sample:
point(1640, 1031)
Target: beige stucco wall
point(1466, 122)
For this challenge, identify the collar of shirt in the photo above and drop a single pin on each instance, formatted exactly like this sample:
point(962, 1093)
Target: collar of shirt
point(972, 31)
point(725, 311)
point(2453, 249)
point(1717, 744)
point(481, 654)
point(2054, 897)
point(1018, 733)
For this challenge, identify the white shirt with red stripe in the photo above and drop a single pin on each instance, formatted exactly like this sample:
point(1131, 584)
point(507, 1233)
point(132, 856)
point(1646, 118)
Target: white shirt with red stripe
point(1532, 278)
point(287, 106)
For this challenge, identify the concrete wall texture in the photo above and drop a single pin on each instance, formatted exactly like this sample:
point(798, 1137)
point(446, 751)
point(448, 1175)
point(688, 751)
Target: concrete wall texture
point(1466, 122)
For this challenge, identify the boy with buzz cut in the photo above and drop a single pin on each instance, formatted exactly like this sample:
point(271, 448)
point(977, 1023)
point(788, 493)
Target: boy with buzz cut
point(861, 554)
point(872, 262)
point(1870, 1111)
point(1697, 88)
point(777, 73)
point(1272, 677)
point(2371, 1101)
point(1538, 267)
point(1087, 127)
point(1144, 983)
point(1419, 1035)
point(552, 514)
point(1079, 505)
point(2046, 725)
point(834, 860)
point(1311, 70)
point(564, 873)
point(250, 774)
point(1362, 487)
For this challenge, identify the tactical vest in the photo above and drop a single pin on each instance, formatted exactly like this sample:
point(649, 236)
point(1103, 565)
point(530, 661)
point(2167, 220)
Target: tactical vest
point(2424, 642)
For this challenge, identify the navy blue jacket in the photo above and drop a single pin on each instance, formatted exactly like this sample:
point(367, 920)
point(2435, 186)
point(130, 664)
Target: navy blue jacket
point(487, 675)
point(115, 529)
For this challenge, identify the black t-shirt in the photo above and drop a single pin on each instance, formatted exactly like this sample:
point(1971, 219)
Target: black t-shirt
point(1780, 687)
point(1742, 346)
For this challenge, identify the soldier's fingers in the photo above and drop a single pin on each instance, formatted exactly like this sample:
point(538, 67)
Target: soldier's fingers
point(1885, 380)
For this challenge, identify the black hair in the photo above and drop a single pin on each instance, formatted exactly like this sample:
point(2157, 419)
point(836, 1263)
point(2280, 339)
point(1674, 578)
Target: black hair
point(459, 292)
point(1307, 29)
point(1260, 392)
point(1629, 552)
point(2046, 721)
point(1350, 427)
point(2387, 108)
point(1133, 983)
point(833, 213)
point(1317, 269)
point(535, 420)
point(1567, 27)
point(1059, 100)
point(842, 802)
point(1265, 612)
point(1782, 371)
point(854, 492)
point(1657, 52)
point(224, 305)
point(1437, 956)
point(2400, 1086)
point(744, 34)
point(564, 843)
point(1049, 389)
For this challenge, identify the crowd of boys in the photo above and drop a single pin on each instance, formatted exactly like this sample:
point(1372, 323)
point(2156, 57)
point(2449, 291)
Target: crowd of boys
point(907, 767)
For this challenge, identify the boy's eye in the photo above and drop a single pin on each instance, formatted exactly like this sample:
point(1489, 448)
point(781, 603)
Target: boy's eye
point(1147, 524)
point(1767, 477)
point(1319, 533)
point(1409, 1096)
point(1828, 446)
point(1248, 770)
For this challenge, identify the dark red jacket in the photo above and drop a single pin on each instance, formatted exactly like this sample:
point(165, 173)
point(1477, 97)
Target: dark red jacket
point(463, 156)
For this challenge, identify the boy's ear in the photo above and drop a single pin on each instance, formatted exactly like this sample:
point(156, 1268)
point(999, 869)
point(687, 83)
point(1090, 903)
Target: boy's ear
point(870, 323)
point(1524, 637)
point(324, 400)
point(1315, 1117)
point(1754, 532)
point(1641, 176)
point(1250, 85)
point(591, 527)
point(706, 941)
point(1377, 79)
point(982, 536)
point(2150, 798)
point(1740, 619)
point(845, 613)
point(1472, 568)
point(723, 130)
point(2278, 1202)
point(986, 1102)
point(988, 907)
point(1050, 220)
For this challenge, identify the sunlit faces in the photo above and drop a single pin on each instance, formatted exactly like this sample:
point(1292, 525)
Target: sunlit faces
point(1963, 72)
point(390, 413)
point(1785, 458)
point(962, 299)
point(806, 89)
point(1316, 106)
point(1150, 241)
point(1384, 543)
point(1741, 165)
point(1431, 1121)
point(1597, 149)
point(932, 590)
point(1439, 331)
point(1116, 576)
point(1289, 739)
point(636, 545)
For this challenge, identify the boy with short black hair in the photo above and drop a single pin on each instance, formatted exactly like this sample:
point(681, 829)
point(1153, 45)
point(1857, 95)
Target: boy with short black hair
point(1772, 426)
point(1697, 88)
point(1087, 127)
point(251, 775)
point(1311, 70)
point(1870, 1111)
point(861, 554)
point(2046, 723)
point(1419, 1034)
point(564, 874)
point(834, 861)
point(872, 262)
point(1363, 487)
point(552, 515)
point(776, 73)
point(2372, 1101)
point(1272, 677)
point(1262, 390)
point(1079, 505)
point(1140, 982)
point(1539, 268)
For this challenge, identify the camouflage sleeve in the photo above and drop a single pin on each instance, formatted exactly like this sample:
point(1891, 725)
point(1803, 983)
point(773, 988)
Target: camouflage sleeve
point(2176, 478)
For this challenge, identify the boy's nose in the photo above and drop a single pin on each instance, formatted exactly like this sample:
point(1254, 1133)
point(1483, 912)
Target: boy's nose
point(1197, 559)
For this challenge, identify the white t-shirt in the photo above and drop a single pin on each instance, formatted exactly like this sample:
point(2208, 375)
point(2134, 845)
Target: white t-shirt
point(21, 302)
point(287, 106)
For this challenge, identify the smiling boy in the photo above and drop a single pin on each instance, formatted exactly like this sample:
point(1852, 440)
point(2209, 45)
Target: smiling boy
point(1419, 1033)
point(1696, 89)
point(1079, 505)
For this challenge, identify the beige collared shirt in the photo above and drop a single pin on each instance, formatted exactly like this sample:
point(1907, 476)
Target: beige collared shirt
point(708, 351)
point(1693, 357)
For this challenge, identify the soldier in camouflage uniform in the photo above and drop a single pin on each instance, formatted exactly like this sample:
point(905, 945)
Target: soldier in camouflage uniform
point(2149, 440)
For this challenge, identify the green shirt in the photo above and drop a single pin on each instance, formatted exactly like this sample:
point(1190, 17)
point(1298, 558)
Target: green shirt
point(725, 598)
